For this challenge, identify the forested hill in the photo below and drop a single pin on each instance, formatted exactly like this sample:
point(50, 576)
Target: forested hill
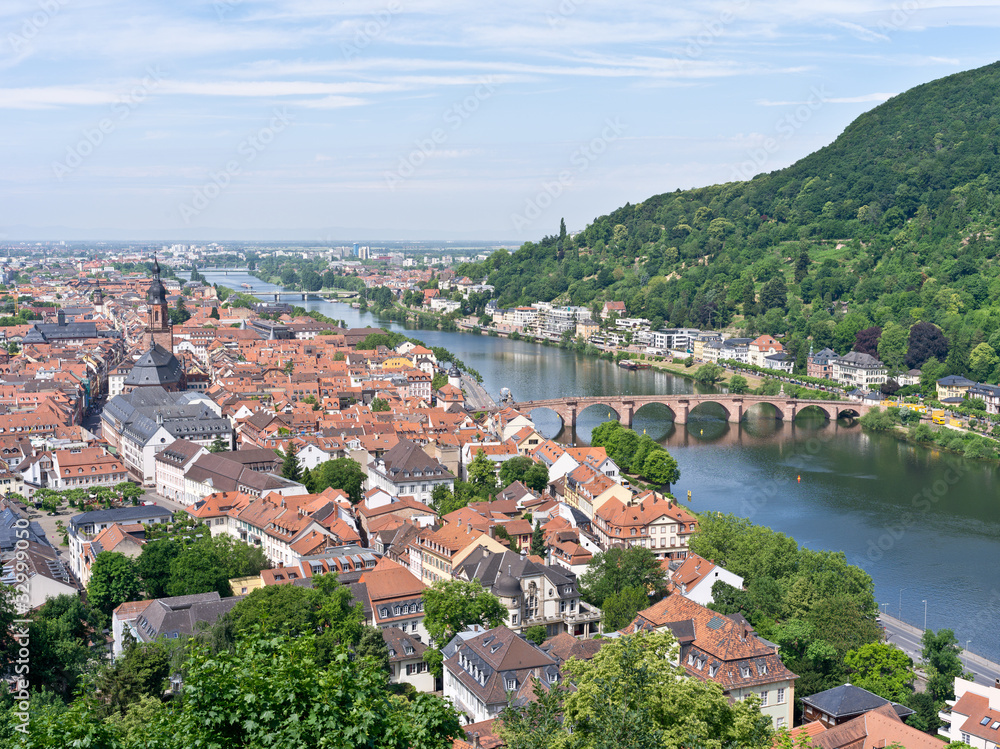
point(892, 224)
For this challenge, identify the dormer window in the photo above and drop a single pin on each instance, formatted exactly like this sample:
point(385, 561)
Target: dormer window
point(511, 685)
point(745, 672)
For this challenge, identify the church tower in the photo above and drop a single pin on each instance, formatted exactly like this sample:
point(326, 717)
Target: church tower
point(158, 328)
point(98, 299)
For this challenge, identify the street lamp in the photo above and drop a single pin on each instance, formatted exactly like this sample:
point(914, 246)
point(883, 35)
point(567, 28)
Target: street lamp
point(967, 653)
point(925, 615)
point(900, 612)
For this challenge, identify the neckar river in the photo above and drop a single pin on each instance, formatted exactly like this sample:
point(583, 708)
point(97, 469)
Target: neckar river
point(924, 524)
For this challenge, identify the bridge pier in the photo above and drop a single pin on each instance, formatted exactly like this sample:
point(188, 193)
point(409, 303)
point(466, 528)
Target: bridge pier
point(571, 408)
point(736, 412)
point(682, 412)
point(627, 412)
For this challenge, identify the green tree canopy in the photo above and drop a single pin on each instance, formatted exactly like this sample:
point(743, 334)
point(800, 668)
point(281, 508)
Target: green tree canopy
point(113, 581)
point(883, 669)
point(345, 474)
point(614, 570)
point(482, 474)
point(210, 562)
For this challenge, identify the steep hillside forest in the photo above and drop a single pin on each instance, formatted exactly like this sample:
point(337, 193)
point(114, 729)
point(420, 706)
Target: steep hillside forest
point(893, 224)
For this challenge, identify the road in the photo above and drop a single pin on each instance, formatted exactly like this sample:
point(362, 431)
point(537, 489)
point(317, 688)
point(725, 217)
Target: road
point(476, 398)
point(908, 639)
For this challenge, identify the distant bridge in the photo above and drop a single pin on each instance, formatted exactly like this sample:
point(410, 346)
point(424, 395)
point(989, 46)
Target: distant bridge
point(681, 406)
point(303, 295)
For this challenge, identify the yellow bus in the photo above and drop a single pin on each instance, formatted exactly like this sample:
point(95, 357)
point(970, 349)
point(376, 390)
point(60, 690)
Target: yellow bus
point(938, 416)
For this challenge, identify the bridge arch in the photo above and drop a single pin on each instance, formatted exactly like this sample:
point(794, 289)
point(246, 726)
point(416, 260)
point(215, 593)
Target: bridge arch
point(814, 407)
point(849, 412)
point(657, 405)
point(698, 409)
point(607, 411)
point(755, 406)
point(564, 418)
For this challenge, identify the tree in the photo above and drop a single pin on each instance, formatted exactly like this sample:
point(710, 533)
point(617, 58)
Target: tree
point(774, 294)
point(882, 669)
point(482, 474)
point(892, 347)
point(866, 340)
point(538, 541)
point(61, 634)
point(802, 265)
point(270, 691)
point(625, 450)
point(738, 385)
point(926, 342)
point(214, 314)
point(661, 468)
point(219, 445)
point(538, 723)
point(210, 563)
point(983, 362)
point(941, 653)
point(630, 695)
point(341, 473)
point(379, 405)
point(514, 469)
point(113, 581)
point(537, 634)
point(140, 672)
point(606, 435)
point(372, 645)
point(179, 314)
point(153, 566)
point(616, 569)
point(128, 491)
point(536, 478)
point(290, 467)
point(452, 605)
point(708, 374)
point(621, 607)
point(308, 481)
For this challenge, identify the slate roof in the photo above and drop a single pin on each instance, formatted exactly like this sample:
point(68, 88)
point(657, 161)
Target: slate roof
point(858, 359)
point(485, 662)
point(399, 642)
point(173, 617)
point(8, 533)
point(405, 460)
point(156, 366)
point(120, 515)
point(493, 570)
point(848, 700)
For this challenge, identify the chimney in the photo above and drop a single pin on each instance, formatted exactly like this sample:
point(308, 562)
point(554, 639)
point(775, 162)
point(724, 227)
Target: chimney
point(475, 740)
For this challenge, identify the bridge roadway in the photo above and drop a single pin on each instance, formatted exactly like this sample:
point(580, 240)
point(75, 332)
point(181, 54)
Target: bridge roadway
point(735, 406)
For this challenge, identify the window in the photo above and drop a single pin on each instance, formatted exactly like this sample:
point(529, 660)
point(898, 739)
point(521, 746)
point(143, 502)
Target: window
point(511, 684)
point(965, 738)
point(781, 696)
point(781, 723)
point(763, 698)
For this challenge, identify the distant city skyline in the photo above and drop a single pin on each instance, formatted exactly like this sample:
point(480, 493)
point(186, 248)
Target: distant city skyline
point(330, 121)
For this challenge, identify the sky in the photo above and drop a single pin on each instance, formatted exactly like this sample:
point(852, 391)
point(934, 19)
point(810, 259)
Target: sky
point(341, 120)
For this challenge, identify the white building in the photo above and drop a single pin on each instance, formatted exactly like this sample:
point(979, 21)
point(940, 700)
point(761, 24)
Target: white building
point(973, 717)
point(695, 577)
point(859, 370)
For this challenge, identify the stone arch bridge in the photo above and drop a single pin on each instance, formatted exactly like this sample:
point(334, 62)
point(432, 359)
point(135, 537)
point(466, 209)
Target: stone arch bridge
point(681, 406)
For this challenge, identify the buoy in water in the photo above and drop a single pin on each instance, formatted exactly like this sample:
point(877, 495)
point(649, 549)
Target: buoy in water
point(800, 478)
point(702, 431)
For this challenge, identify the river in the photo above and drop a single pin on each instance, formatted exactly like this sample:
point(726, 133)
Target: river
point(924, 524)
